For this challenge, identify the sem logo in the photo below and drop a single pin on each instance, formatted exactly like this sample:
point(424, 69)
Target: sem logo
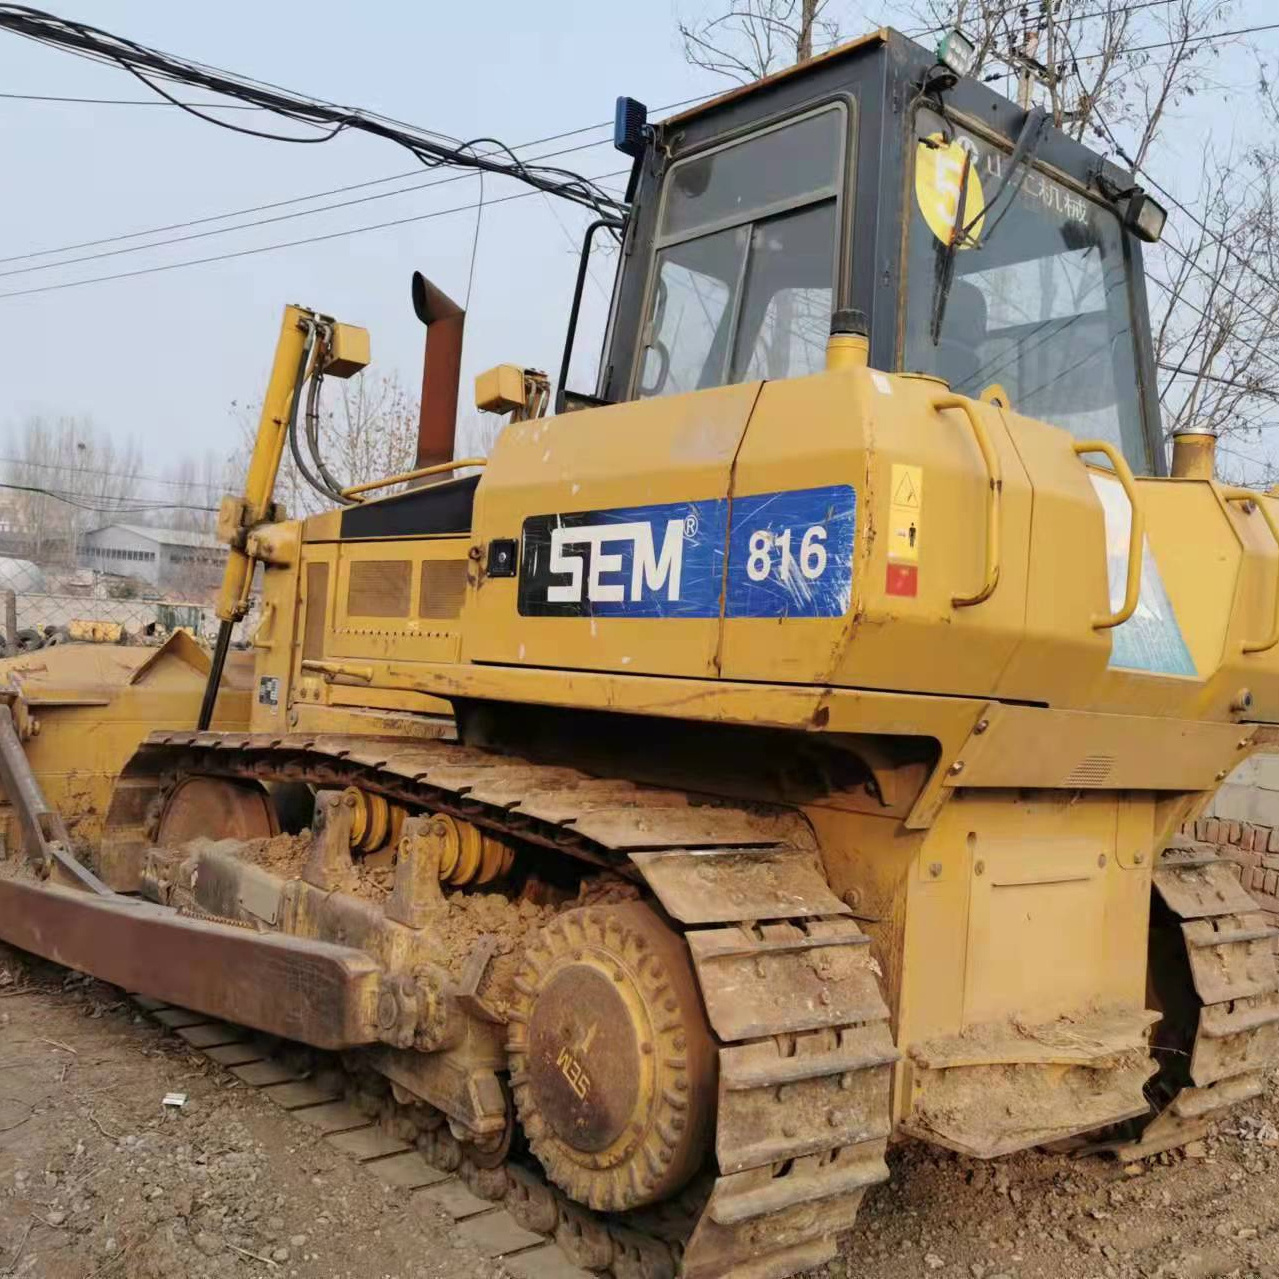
point(572, 548)
point(574, 1073)
point(639, 561)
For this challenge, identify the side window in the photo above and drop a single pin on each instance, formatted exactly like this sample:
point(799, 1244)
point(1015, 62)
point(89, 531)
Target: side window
point(786, 304)
point(744, 269)
point(692, 289)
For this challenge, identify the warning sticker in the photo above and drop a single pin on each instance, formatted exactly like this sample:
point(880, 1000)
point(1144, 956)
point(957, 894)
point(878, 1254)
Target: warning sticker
point(906, 488)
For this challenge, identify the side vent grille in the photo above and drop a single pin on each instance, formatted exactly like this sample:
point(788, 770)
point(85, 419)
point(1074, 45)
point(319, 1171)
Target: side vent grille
point(379, 588)
point(317, 602)
point(443, 589)
point(1092, 770)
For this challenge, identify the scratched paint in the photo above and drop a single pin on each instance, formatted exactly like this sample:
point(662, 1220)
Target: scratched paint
point(791, 553)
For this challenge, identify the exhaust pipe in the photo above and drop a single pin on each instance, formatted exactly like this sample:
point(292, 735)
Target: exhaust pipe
point(441, 371)
point(1194, 455)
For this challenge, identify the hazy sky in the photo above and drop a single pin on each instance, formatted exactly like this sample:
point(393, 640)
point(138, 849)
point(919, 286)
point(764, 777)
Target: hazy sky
point(161, 356)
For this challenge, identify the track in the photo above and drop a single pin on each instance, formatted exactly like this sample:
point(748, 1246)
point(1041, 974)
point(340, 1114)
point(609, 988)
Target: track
point(786, 979)
point(1215, 979)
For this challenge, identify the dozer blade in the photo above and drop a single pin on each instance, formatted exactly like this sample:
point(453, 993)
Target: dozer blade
point(315, 992)
point(322, 994)
point(84, 709)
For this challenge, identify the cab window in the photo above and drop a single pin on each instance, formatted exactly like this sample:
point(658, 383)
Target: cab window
point(1034, 299)
point(743, 274)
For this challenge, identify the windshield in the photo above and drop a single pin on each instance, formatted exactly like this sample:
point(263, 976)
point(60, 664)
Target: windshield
point(1038, 303)
point(745, 264)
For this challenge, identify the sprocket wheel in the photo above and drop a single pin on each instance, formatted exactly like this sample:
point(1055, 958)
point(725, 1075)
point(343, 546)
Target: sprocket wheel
point(612, 1063)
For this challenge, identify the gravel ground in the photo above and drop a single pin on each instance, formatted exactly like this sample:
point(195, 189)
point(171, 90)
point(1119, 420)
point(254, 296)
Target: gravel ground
point(99, 1181)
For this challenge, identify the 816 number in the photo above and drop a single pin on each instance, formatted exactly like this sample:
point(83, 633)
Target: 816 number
point(765, 545)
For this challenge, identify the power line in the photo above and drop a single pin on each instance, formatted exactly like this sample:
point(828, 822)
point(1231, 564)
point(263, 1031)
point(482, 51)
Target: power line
point(110, 475)
point(1178, 371)
point(319, 195)
point(85, 503)
point(1011, 9)
point(286, 244)
point(1179, 299)
point(280, 217)
point(1172, 44)
point(1216, 238)
point(130, 102)
point(152, 67)
point(1103, 129)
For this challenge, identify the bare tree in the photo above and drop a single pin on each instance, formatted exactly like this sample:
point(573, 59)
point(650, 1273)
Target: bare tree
point(1091, 60)
point(68, 477)
point(192, 489)
point(1217, 320)
point(367, 431)
point(1119, 76)
point(753, 38)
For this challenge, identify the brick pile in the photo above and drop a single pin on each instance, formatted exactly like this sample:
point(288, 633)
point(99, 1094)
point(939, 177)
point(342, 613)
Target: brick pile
point(1253, 849)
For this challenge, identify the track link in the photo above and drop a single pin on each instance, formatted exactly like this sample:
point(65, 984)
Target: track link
point(1220, 1031)
point(789, 986)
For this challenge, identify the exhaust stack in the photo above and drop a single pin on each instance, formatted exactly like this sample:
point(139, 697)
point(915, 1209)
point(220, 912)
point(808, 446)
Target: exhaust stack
point(1194, 455)
point(441, 371)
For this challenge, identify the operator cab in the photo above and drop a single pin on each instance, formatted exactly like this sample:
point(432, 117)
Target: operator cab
point(837, 185)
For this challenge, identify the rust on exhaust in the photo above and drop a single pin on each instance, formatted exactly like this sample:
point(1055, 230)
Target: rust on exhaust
point(441, 370)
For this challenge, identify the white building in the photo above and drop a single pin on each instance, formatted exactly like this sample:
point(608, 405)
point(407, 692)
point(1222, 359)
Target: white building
point(169, 559)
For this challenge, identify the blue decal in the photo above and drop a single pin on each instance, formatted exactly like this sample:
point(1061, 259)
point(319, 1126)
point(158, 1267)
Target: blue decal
point(791, 554)
point(1150, 640)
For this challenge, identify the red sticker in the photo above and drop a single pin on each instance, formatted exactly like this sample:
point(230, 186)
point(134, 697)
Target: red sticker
point(902, 579)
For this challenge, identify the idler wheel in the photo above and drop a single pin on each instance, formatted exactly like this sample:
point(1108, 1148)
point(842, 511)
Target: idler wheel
point(215, 808)
point(612, 1063)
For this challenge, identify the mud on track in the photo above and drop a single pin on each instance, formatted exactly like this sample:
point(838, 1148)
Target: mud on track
point(99, 1181)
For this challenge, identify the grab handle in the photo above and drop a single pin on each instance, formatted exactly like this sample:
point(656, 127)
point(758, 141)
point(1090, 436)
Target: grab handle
point(994, 493)
point(1247, 495)
point(1136, 533)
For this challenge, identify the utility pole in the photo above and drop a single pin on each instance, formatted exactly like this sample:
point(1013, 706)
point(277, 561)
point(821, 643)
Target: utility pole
point(1026, 76)
point(807, 16)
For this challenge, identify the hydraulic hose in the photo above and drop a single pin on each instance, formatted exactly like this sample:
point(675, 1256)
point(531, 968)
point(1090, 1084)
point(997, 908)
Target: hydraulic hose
point(216, 666)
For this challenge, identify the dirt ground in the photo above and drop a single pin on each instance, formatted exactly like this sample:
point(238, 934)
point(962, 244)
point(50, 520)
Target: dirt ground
point(98, 1180)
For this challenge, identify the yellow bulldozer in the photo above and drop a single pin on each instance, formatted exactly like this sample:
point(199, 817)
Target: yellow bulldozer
point(662, 809)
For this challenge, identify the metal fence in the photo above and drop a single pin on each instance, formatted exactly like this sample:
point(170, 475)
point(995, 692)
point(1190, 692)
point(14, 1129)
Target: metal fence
point(43, 605)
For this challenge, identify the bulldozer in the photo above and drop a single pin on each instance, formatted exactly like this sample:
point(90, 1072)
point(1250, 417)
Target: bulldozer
point(660, 810)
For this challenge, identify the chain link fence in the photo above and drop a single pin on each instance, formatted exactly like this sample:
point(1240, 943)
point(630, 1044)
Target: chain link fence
point(47, 604)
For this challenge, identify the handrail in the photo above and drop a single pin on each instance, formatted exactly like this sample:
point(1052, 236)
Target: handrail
point(1136, 534)
point(405, 476)
point(1247, 495)
point(994, 495)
